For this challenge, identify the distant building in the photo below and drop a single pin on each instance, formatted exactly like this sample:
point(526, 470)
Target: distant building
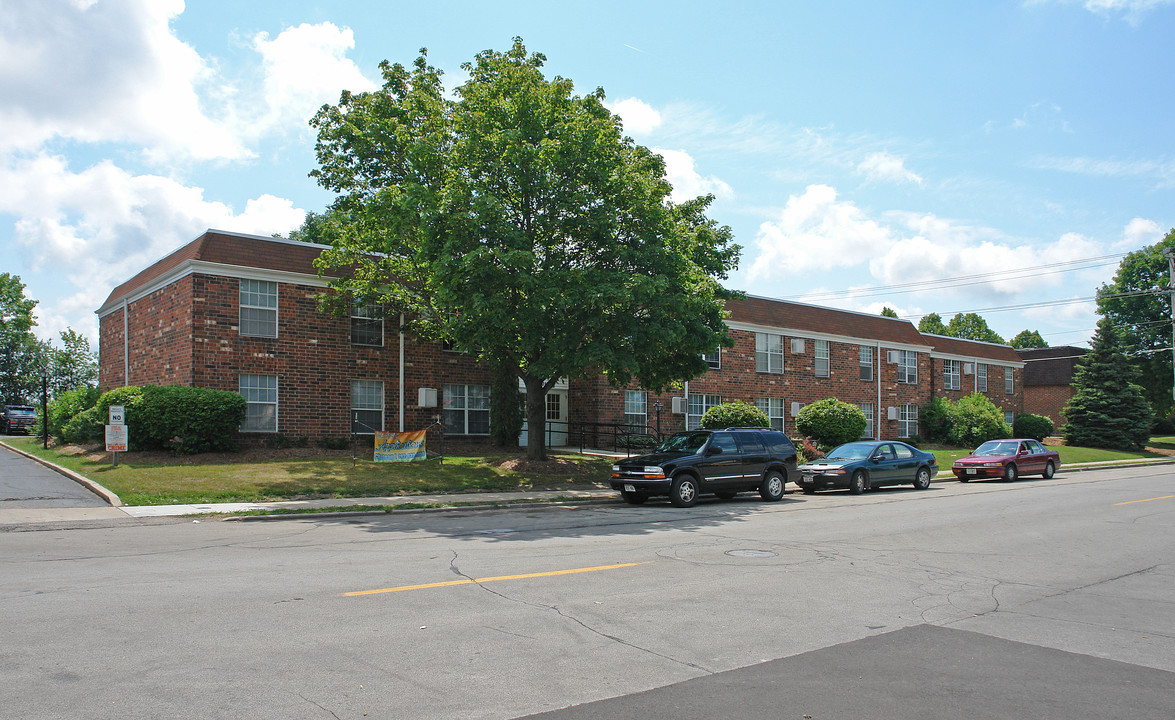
point(1048, 380)
point(239, 312)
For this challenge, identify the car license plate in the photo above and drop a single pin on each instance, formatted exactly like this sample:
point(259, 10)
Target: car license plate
point(808, 477)
point(630, 488)
point(970, 471)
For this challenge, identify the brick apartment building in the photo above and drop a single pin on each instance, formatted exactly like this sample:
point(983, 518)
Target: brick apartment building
point(1048, 380)
point(239, 312)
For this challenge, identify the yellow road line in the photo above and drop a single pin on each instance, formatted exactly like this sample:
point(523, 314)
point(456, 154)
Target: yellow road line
point(1131, 502)
point(491, 579)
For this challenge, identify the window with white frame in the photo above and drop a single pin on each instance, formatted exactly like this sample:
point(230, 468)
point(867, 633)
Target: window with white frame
point(467, 409)
point(908, 367)
point(981, 377)
point(907, 421)
point(1009, 418)
point(867, 409)
point(768, 353)
point(367, 325)
point(367, 406)
point(1009, 388)
point(774, 409)
point(698, 405)
point(260, 393)
point(866, 363)
point(258, 301)
point(823, 362)
point(714, 359)
point(952, 379)
point(636, 409)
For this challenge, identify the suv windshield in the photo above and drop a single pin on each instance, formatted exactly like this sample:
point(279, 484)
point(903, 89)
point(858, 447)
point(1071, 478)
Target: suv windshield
point(691, 442)
point(22, 411)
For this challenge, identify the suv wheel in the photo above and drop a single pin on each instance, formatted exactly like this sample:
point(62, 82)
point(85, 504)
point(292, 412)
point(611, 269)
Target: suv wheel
point(684, 492)
point(633, 498)
point(858, 485)
point(772, 488)
point(922, 479)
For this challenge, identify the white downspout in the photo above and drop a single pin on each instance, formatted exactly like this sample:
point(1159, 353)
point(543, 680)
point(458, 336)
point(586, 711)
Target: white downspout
point(877, 411)
point(126, 348)
point(401, 372)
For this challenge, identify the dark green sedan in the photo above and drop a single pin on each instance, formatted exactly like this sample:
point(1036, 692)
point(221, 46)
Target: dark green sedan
point(861, 466)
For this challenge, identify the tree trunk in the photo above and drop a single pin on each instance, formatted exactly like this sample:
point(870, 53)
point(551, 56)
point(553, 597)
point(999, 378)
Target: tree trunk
point(536, 418)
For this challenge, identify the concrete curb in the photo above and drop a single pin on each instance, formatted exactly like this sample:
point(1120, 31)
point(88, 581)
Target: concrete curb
point(527, 504)
point(82, 480)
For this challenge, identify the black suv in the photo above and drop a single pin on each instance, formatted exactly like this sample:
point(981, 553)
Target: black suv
point(722, 462)
point(19, 417)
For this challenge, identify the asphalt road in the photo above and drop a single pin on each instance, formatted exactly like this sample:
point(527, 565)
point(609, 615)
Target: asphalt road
point(1042, 599)
point(28, 484)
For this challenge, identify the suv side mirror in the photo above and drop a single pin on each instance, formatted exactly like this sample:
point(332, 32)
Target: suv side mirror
point(713, 451)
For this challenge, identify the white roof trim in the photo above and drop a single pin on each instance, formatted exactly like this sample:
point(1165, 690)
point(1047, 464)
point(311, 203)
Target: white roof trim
point(976, 359)
point(845, 339)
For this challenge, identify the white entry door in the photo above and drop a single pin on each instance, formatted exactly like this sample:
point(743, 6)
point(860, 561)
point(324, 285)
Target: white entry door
point(556, 430)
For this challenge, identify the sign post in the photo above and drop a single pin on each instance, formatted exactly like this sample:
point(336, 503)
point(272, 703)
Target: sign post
point(116, 433)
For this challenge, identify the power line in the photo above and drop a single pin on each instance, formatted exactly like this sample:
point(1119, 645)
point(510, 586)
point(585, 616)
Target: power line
point(1046, 303)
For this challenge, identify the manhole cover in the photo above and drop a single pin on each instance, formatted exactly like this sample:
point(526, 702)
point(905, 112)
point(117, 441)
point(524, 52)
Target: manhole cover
point(751, 553)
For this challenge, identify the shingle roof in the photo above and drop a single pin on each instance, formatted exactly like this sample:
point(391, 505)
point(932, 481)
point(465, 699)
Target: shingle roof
point(226, 248)
point(1050, 366)
point(972, 348)
point(815, 319)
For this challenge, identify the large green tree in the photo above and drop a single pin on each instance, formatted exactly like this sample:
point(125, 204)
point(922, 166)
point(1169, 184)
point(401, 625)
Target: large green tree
point(932, 323)
point(1028, 339)
point(971, 326)
point(21, 354)
point(1138, 304)
point(1108, 409)
point(515, 220)
point(73, 365)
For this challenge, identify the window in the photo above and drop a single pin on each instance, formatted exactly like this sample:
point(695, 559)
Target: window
point(367, 406)
point(467, 409)
point(367, 325)
point(636, 409)
point(1009, 418)
point(908, 368)
point(951, 379)
point(907, 421)
point(866, 363)
point(260, 393)
point(258, 300)
point(822, 361)
point(867, 408)
point(725, 441)
point(768, 353)
point(1009, 388)
point(698, 405)
point(714, 359)
point(980, 377)
point(774, 409)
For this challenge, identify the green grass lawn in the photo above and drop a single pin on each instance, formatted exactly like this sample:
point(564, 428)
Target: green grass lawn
point(173, 483)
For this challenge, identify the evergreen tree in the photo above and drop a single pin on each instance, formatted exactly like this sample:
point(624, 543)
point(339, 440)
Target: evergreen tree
point(1108, 408)
point(887, 311)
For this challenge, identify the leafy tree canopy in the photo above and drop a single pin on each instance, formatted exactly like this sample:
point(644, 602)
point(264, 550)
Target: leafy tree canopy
point(932, 324)
point(1136, 302)
point(1028, 339)
point(971, 326)
point(514, 219)
point(1107, 409)
point(21, 353)
point(887, 311)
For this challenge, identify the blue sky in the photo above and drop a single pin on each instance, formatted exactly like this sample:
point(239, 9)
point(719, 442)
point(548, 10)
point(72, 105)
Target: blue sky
point(852, 147)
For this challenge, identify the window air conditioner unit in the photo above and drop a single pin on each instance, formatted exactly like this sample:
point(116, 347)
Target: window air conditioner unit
point(796, 407)
point(679, 406)
point(968, 368)
point(797, 346)
point(891, 413)
point(426, 397)
point(893, 356)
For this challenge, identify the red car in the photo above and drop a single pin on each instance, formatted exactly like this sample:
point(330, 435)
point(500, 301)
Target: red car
point(1007, 459)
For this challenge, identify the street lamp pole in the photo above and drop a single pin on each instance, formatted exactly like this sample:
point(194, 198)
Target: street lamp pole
point(45, 406)
point(658, 406)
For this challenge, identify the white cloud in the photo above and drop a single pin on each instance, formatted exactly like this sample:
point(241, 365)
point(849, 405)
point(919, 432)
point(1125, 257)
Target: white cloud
point(304, 67)
point(816, 231)
point(97, 227)
point(1141, 232)
point(882, 166)
point(638, 116)
point(688, 183)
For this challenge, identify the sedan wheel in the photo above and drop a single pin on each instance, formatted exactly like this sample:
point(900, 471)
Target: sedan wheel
point(1049, 469)
point(1011, 473)
point(922, 479)
point(772, 488)
point(684, 492)
point(857, 484)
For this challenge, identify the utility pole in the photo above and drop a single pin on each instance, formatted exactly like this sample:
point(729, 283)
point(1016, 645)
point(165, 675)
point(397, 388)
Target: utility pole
point(1170, 255)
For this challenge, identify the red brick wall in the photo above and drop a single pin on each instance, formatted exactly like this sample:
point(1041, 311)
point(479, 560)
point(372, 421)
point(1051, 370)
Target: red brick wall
point(159, 326)
point(1048, 400)
point(1012, 403)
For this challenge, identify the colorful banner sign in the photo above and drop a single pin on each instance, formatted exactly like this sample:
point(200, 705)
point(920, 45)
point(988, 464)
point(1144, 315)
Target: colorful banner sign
point(400, 447)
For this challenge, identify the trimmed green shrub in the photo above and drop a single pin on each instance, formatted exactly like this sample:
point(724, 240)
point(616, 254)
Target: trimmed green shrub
point(1032, 426)
point(735, 414)
point(186, 420)
point(87, 427)
point(975, 420)
point(936, 421)
point(831, 422)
